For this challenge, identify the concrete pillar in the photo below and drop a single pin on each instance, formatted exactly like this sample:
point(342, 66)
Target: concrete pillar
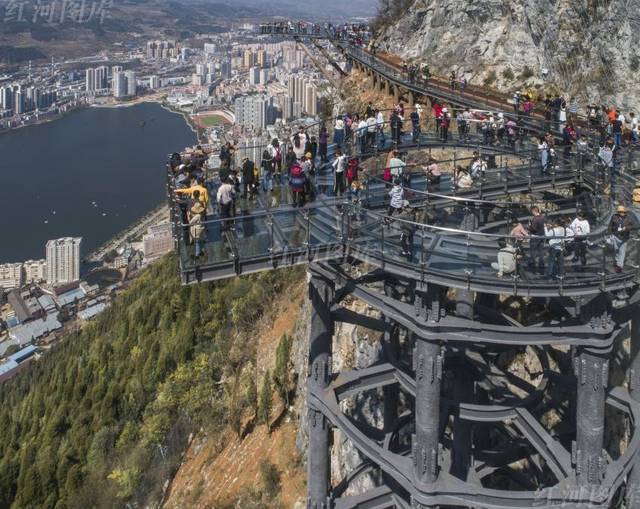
point(411, 99)
point(428, 367)
point(462, 391)
point(320, 339)
point(386, 87)
point(633, 482)
point(396, 94)
point(591, 370)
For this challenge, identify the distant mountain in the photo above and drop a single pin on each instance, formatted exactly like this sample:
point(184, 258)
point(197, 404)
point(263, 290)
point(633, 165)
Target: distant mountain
point(329, 9)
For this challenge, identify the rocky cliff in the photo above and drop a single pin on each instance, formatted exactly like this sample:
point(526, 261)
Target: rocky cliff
point(585, 46)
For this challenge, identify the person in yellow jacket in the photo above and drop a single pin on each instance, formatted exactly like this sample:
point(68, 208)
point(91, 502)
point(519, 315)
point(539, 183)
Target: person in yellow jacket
point(202, 190)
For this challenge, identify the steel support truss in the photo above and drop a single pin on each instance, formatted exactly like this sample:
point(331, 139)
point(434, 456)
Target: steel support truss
point(460, 429)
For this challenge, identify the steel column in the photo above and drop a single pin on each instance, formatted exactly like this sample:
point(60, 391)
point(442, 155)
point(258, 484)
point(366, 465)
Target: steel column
point(320, 339)
point(390, 347)
point(463, 392)
point(633, 481)
point(592, 372)
point(428, 368)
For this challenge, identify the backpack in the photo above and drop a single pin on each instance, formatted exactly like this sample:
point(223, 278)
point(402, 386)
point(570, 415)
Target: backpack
point(352, 170)
point(297, 177)
point(386, 175)
point(278, 155)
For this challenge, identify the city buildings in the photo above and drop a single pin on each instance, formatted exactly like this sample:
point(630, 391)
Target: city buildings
point(157, 241)
point(35, 271)
point(119, 85)
point(154, 82)
point(162, 49)
point(254, 76)
point(19, 99)
point(63, 260)
point(131, 82)
point(11, 275)
point(96, 78)
point(304, 94)
point(253, 111)
point(225, 70)
point(16, 363)
point(197, 80)
point(123, 84)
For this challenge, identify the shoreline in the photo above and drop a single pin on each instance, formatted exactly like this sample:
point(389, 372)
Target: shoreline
point(47, 120)
point(152, 211)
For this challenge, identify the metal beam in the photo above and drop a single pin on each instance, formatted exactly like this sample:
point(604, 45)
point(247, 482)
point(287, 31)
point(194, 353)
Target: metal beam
point(320, 341)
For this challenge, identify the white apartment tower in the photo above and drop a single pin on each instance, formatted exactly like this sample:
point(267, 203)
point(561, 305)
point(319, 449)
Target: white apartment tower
point(63, 260)
point(119, 84)
point(90, 80)
point(252, 111)
point(131, 82)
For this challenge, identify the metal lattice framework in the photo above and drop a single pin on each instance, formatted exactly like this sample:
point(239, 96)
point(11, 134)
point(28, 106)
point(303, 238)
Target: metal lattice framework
point(460, 429)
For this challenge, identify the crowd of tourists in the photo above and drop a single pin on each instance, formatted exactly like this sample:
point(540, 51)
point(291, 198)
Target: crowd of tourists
point(554, 240)
point(356, 33)
point(550, 241)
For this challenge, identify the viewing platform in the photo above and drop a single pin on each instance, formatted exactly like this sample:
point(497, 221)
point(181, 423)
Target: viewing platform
point(460, 232)
point(466, 404)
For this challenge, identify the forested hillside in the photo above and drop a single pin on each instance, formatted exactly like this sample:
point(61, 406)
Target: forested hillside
point(103, 418)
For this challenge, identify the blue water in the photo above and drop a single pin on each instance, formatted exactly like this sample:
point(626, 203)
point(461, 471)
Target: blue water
point(51, 173)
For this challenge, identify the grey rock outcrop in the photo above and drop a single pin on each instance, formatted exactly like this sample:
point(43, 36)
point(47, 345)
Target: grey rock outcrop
point(586, 46)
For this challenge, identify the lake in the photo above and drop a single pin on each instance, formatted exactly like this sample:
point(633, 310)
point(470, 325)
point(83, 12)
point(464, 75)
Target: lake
point(89, 174)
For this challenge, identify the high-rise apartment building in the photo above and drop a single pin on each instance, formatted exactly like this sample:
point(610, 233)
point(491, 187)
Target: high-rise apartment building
point(63, 260)
point(254, 76)
point(131, 82)
point(96, 79)
point(119, 84)
point(90, 80)
point(252, 111)
point(225, 70)
point(248, 59)
point(261, 58)
point(154, 82)
point(157, 241)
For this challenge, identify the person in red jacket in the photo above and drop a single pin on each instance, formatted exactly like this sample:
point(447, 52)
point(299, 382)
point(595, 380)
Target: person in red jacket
point(297, 182)
point(437, 113)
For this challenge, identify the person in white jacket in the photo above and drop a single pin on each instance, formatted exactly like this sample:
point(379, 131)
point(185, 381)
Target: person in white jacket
point(339, 166)
point(396, 196)
point(581, 228)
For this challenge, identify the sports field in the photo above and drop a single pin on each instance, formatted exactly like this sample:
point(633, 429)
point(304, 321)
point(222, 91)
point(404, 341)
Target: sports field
point(210, 120)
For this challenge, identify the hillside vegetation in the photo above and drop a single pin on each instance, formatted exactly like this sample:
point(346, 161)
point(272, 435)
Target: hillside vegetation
point(104, 418)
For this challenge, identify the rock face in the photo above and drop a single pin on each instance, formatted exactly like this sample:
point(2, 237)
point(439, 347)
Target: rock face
point(586, 46)
point(354, 347)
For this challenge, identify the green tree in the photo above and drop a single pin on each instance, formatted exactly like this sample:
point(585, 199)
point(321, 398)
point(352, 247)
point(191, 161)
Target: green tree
point(266, 401)
point(270, 478)
point(127, 481)
point(281, 377)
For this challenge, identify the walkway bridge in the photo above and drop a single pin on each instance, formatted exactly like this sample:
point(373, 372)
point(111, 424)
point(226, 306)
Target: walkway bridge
point(459, 426)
